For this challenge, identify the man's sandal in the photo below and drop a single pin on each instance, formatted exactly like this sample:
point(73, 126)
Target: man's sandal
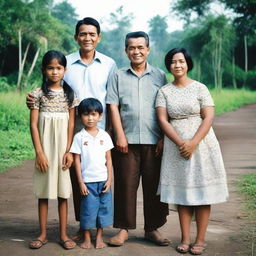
point(197, 249)
point(183, 248)
point(37, 244)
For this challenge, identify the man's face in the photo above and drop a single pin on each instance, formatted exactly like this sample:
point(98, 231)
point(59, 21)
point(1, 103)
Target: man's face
point(137, 50)
point(87, 38)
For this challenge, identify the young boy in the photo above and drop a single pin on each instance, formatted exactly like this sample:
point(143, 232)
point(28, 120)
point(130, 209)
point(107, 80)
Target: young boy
point(92, 155)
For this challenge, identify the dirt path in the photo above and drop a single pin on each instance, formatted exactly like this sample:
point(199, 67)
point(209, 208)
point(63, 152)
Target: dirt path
point(18, 207)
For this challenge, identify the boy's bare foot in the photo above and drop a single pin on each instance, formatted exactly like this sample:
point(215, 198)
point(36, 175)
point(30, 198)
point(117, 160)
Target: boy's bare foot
point(86, 245)
point(100, 244)
point(120, 238)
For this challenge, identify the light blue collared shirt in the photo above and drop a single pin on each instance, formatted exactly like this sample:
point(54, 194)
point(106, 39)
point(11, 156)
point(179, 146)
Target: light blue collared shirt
point(90, 80)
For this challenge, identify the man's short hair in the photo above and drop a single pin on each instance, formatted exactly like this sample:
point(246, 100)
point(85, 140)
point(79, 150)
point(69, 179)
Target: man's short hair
point(88, 21)
point(88, 105)
point(136, 35)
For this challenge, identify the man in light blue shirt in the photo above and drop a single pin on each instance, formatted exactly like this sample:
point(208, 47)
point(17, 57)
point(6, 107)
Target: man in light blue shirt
point(87, 74)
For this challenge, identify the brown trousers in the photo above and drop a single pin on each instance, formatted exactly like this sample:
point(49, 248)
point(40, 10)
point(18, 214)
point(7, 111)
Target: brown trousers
point(140, 161)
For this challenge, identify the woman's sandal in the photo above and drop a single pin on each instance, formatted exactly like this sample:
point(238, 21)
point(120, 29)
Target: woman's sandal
point(37, 244)
point(183, 248)
point(197, 249)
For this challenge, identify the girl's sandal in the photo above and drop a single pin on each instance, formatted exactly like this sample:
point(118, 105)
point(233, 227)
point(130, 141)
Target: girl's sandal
point(197, 249)
point(183, 248)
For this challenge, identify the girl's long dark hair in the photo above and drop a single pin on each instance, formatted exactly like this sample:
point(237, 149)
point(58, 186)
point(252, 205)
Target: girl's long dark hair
point(60, 57)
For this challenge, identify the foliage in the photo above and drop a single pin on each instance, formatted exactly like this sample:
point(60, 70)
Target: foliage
point(15, 140)
point(247, 186)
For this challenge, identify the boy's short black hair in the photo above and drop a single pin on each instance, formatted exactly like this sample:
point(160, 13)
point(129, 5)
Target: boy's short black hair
point(88, 21)
point(88, 105)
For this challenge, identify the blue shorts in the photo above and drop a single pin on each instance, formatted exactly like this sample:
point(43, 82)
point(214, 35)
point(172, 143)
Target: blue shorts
point(96, 207)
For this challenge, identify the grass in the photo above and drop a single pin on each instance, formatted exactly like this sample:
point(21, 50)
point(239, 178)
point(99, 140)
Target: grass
point(247, 187)
point(15, 141)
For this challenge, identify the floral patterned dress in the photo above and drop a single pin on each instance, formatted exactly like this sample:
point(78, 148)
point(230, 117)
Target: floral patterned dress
point(201, 180)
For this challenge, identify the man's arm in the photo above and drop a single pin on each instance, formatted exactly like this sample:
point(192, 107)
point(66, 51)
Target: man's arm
point(121, 141)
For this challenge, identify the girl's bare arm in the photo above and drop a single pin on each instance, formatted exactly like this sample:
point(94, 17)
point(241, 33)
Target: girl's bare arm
point(41, 160)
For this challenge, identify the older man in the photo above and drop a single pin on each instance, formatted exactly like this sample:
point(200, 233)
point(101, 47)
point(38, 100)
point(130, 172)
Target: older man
point(131, 95)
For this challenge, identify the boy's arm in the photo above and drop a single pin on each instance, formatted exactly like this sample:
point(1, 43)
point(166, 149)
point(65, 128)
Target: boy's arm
point(41, 160)
point(107, 185)
point(121, 141)
point(83, 188)
point(68, 157)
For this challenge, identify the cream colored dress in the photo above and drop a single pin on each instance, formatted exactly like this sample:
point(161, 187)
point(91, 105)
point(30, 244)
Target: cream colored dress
point(200, 180)
point(53, 128)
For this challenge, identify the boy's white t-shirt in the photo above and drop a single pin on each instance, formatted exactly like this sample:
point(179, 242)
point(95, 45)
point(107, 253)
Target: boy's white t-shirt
point(93, 154)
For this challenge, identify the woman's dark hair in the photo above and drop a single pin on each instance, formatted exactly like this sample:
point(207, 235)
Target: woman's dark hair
point(88, 21)
point(60, 57)
point(88, 105)
point(169, 56)
point(136, 35)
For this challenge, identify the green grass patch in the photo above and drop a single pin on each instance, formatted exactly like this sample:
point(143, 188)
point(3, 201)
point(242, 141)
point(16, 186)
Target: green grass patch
point(247, 187)
point(15, 141)
point(228, 99)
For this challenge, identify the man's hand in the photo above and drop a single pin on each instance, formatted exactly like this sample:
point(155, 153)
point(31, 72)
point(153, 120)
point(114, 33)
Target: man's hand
point(41, 162)
point(67, 160)
point(159, 147)
point(30, 100)
point(122, 144)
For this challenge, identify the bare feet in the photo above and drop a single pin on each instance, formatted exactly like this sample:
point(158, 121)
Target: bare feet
point(100, 244)
point(156, 237)
point(120, 238)
point(86, 245)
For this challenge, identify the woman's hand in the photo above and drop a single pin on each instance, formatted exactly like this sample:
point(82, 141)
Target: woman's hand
point(107, 186)
point(83, 189)
point(41, 162)
point(187, 149)
point(67, 160)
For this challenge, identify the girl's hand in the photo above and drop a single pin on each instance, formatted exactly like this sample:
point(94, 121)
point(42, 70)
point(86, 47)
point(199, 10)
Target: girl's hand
point(67, 160)
point(41, 162)
point(107, 186)
point(187, 148)
point(83, 189)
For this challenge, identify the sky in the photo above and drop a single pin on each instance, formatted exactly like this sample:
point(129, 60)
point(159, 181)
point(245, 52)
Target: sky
point(143, 11)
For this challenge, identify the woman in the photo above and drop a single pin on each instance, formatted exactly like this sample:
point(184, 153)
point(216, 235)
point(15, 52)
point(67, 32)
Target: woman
point(192, 173)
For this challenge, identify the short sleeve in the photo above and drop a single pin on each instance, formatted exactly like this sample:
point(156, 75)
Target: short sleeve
point(112, 90)
point(75, 102)
point(76, 145)
point(37, 95)
point(160, 99)
point(109, 144)
point(205, 98)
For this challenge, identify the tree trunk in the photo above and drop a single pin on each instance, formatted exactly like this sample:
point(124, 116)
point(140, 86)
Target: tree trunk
point(21, 61)
point(233, 71)
point(32, 67)
point(245, 60)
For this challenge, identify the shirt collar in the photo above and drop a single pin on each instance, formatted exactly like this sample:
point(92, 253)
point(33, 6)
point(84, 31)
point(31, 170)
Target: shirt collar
point(147, 70)
point(77, 58)
point(88, 135)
